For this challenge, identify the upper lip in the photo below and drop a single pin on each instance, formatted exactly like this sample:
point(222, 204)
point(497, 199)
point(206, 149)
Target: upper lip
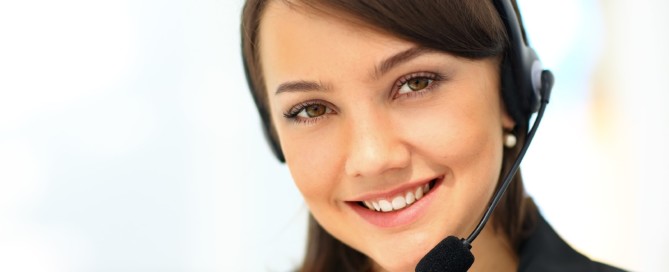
point(394, 191)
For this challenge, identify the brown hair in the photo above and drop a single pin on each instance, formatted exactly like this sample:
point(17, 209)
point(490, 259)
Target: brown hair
point(465, 28)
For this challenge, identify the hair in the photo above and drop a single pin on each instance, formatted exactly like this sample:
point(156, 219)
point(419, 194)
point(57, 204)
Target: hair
point(464, 28)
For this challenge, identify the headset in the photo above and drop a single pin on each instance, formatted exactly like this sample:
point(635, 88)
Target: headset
point(521, 76)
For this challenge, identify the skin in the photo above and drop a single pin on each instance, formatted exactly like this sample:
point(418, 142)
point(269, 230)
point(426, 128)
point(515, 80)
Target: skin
point(372, 138)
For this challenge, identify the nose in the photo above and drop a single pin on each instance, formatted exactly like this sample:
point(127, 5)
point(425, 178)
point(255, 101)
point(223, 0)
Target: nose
point(375, 147)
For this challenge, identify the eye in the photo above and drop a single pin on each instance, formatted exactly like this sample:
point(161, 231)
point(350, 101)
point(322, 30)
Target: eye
point(309, 111)
point(414, 85)
point(312, 111)
point(417, 84)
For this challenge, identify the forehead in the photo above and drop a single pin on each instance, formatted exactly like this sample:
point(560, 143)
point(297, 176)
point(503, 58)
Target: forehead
point(295, 41)
point(285, 18)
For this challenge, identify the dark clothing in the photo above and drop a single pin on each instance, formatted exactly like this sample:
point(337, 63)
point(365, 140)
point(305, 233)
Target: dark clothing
point(545, 251)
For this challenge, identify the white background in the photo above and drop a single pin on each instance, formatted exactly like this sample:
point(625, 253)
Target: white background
point(129, 142)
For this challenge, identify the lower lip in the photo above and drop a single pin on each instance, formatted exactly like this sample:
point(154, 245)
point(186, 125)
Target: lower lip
point(397, 218)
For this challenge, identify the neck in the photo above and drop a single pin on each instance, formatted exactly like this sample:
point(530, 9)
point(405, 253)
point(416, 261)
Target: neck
point(493, 251)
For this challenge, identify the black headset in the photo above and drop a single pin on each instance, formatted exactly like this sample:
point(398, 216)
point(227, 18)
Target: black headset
point(521, 76)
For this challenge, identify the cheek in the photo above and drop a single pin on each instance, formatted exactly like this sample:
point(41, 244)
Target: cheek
point(316, 173)
point(465, 141)
point(304, 168)
point(452, 132)
point(313, 166)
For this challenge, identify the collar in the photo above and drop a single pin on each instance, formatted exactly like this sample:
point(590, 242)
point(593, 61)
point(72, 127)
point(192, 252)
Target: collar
point(545, 251)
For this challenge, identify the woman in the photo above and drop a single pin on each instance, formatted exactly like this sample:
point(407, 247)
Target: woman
point(398, 121)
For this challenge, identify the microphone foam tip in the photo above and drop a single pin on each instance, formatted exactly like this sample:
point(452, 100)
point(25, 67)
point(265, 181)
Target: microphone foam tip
point(451, 254)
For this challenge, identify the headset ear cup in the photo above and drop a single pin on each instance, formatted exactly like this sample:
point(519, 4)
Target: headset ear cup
point(521, 68)
point(510, 91)
point(531, 69)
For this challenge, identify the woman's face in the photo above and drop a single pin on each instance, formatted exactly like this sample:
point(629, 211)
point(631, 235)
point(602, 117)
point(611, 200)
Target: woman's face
point(367, 119)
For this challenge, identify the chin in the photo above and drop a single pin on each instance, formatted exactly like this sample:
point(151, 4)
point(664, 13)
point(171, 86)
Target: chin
point(397, 258)
point(401, 263)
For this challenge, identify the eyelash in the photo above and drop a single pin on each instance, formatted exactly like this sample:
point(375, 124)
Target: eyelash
point(297, 109)
point(434, 78)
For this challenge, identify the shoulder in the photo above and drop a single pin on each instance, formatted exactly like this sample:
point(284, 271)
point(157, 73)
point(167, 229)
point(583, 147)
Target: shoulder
point(600, 267)
point(545, 251)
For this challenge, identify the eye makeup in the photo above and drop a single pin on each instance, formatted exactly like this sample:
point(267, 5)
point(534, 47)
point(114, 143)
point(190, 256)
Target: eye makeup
point(299, 113)
point(423, 83)
point(403, 88)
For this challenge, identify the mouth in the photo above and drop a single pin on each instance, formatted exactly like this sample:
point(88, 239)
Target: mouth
point(397, 208)
point(399, 201)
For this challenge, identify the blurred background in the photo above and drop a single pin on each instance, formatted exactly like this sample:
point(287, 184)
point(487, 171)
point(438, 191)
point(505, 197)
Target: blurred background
point(129, 142)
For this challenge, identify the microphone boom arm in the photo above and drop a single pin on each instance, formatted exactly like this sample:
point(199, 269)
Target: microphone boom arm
point(546, 87)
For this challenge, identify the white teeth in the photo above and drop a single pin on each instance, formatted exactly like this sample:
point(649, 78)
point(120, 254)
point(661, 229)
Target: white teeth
point(376, 206)
point(385, 206)
point(369, 205)
point(410, 198)
point(399, 202)
point(419, 193)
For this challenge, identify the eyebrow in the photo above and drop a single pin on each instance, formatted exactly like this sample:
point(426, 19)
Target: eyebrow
point(379, 70)
point(300, 86)
point(399, 58)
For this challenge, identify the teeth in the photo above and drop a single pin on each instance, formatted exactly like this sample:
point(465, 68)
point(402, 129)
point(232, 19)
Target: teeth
point(419, 193)
point(369, 205)
point(376, 206)
point(385, 206)
point(398, 202)
point(410, 198)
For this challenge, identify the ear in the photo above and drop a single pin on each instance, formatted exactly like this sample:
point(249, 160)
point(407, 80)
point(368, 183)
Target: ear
point(507, 121)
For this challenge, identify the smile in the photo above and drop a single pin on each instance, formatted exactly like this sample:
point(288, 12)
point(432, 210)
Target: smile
point(399, 201)
point(399, 207)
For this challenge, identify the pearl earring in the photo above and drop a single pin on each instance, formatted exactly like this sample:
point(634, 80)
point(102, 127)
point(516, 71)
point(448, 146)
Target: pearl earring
point(510, 140)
